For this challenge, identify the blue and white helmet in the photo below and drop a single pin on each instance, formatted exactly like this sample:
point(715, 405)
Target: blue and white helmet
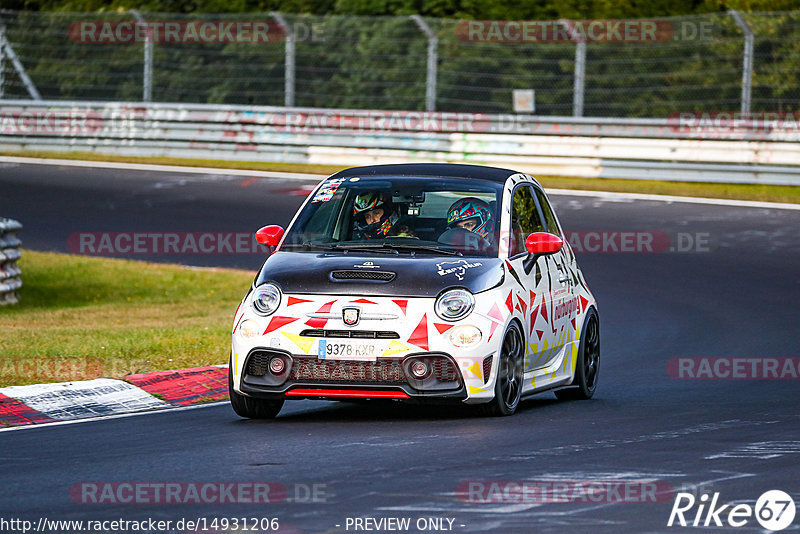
point(472, 208)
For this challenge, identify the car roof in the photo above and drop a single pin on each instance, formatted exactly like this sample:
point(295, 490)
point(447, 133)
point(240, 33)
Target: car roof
point(439, 170)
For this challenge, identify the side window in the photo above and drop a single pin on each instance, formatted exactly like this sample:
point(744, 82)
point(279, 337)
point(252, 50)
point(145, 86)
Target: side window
point(525, 219)
point(320, 224)
point(552, 225)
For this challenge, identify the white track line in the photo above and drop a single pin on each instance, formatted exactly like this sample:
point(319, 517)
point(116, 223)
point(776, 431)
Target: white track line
point(667, 198)
point(316, 177)
point(162, 168)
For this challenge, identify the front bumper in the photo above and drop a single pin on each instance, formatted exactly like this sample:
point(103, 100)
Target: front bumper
point(305, 325)
point(386, 378)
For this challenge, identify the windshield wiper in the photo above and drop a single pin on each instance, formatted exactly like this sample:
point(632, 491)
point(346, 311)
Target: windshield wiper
point(308, 245)
point(403, 246)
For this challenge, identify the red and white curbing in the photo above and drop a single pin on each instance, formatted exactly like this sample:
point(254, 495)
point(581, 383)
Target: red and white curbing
point(67, 401)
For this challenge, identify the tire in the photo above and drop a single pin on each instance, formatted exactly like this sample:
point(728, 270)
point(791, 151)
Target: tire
point(249, 407)
point(587, 367)
point(508, 385)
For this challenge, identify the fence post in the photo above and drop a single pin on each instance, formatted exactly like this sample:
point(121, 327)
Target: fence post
point(7, 50)
point(147, 84)
point(289, 60)
point(580, 68)
point(433, 60)
point(747, 67)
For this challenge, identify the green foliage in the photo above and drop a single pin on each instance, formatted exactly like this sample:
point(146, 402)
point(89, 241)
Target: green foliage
point(482, 9)
point(92, 317)
point(379, 62)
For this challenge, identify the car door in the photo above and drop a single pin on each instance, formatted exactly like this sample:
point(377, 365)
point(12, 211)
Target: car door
point(560, 268)
point(535, 276)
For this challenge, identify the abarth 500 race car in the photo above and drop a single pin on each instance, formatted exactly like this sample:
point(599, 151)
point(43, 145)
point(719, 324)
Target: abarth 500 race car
point(421, 283)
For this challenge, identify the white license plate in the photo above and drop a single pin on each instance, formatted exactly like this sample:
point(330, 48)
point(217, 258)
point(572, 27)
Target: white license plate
point(367, 350)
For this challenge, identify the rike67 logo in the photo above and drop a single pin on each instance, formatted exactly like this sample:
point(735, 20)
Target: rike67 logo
point(774, 511)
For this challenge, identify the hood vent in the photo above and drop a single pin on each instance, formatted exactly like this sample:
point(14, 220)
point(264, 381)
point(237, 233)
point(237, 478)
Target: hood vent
point(360, 334)
point(381, 276)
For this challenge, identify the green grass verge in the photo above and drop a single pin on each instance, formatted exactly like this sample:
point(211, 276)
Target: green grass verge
point(80, 318)
point(767, 193)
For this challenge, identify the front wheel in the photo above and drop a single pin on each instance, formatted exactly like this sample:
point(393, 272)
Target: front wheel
point(250, 407)
point(588, 365)
point(508, 385)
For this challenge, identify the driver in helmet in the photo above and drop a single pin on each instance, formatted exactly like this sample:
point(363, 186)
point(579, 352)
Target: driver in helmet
point(374, 215)
point(471, 214)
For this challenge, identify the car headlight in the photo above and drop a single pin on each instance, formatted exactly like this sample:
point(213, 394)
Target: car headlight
point(465, 336)
point(455, 304)
point(266, 299)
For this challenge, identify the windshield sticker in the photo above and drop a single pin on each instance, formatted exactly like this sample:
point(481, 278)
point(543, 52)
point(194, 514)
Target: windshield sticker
point(457, 268)
point(327, 190)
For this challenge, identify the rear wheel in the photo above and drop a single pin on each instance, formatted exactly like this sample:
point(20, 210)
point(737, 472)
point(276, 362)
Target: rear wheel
point(588, 365)
point(508, 386)
point(250, 407)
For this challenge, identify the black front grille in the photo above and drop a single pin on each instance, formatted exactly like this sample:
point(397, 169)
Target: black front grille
point(258, 363)
point(378, 372)
point(487, 368)
point(382, 371)
point(444, 370)
point(359, 334)
point(384, 276)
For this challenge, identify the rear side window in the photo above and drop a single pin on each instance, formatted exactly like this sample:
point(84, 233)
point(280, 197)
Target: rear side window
point(552, 225)
point(525, 219)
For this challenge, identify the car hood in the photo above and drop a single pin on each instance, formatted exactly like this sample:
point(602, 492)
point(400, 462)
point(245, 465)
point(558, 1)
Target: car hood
point(379, 275)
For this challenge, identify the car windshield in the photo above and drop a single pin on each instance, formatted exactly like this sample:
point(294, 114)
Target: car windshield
point(400, 216)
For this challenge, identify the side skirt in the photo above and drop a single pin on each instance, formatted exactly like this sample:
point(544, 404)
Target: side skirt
point(561, 372)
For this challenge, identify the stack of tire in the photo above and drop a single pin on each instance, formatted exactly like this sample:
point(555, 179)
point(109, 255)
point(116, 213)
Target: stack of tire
point(10, 273)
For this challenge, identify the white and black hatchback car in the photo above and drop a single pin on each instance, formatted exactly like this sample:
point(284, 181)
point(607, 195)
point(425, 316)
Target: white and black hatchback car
point(421, 283)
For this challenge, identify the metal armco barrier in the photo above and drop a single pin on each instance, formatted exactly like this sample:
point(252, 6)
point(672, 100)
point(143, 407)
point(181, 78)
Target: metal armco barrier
point(679, 148)
point(10, 272)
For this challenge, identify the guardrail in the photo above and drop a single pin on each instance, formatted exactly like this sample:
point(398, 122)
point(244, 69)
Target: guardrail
point(682, 148)
point(10, 272)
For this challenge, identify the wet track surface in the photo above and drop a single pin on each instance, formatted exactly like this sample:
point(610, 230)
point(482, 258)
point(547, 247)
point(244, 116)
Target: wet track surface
point(734, 296)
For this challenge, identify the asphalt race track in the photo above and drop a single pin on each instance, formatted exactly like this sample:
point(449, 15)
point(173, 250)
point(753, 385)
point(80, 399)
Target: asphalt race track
point(735, 296)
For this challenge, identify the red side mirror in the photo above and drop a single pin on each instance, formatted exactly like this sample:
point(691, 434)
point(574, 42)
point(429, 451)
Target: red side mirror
point(270, 235)
point(543, 243)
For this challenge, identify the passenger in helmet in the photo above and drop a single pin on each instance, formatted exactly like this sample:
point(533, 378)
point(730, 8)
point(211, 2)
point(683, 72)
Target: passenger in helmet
point(471, 214)
point(374, 215)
